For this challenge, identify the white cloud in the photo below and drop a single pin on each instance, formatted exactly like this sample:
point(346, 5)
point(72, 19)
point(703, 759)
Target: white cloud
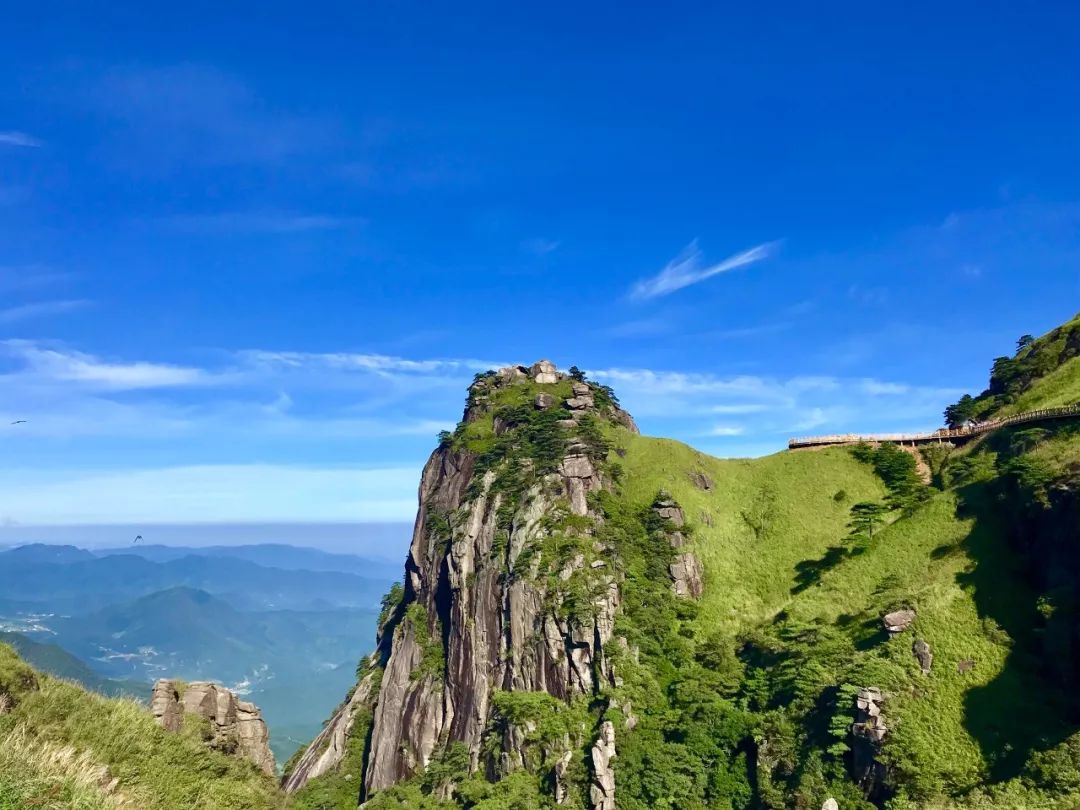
point(40, 309)
point(725, 430)
point(776, 407)
point(15, 138)
point(736, 409)
point(70, 366)
point(688, 268)
point(877, 387)
point(350, 361)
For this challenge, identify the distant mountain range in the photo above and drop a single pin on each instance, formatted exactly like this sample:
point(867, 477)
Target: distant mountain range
point(65, 579)
point(278, 624)
point(272, 555)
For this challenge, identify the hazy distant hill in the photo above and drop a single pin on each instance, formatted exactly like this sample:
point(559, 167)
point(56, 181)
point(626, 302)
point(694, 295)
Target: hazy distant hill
point(59, 662)
point(65, 579)
point(188, 633)
point(273, 555)
point(293, 664)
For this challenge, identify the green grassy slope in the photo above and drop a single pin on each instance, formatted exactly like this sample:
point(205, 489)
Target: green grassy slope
point(58, 662)
point(760, 519)
point(65, 747)
point(745, 700)
point(988, 726)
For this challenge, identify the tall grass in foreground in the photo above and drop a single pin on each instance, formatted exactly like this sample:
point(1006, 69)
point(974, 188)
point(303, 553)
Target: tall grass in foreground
point(39, 774)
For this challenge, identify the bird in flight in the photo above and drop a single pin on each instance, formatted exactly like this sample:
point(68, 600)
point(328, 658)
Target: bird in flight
point(19, 422)
point(138, 537)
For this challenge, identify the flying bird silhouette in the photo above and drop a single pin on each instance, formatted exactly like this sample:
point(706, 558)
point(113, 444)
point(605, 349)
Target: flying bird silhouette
point(138, 537)
point(19, 422)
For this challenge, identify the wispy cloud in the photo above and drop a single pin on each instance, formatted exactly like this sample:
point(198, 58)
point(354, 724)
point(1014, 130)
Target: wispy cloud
point(539, 246)
point(725, 430)
point(262, 222)
point(41, 309)
point(762, 412)
point(350, 361)
point(27, 277)
point(15, 138)
point(191, 114)
point(71, 366)
point(689, 267)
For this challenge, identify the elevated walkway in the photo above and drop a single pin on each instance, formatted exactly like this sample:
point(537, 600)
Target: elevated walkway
point(940, 436)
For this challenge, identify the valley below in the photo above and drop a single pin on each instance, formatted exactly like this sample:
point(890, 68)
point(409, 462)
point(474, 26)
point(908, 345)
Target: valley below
point(287, 639)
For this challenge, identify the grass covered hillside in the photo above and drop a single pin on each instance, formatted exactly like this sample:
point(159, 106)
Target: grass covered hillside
point(756, 694)
point(64, 747)
point(988, 559)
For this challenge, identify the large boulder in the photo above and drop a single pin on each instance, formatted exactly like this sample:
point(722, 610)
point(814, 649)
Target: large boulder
point(898, 621)
point(544, 372)
point(235, 726)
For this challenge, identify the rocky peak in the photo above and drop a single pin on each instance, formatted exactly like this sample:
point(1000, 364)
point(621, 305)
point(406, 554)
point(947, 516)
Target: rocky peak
point(236, 726)
point(509, 597)
point(570, 391)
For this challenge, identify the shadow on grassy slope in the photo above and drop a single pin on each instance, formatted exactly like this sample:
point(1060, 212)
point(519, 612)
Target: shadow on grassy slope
point(1021, 711)
point(809, 572)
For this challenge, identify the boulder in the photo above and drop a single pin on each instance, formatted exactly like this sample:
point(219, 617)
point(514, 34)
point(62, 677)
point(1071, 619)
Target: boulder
point(687, 576)
point(165, 705)
point(580, 389)
point(921, 650)
point(580, 403)
point(830, 804)
point(898, 621)
point(544, 372)
point(543, 401)
point(512, 374)
point(701, 480)
point(236, 726)
point(669, 509)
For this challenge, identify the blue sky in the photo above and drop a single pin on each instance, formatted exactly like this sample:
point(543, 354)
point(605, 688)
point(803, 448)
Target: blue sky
point(250, 257)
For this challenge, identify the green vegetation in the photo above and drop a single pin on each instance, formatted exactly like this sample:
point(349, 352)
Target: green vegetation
point(1044, 373)
point(56, 661)
point(71, 746)
point(431, 648)
point(744, 699)
point(341, 787)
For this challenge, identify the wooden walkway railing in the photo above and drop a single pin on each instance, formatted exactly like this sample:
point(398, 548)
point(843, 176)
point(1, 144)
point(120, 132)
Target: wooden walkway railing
point(940, 435)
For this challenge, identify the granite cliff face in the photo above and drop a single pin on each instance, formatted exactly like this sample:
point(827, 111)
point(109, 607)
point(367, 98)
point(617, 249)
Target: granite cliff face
point(482, 611)
point(235, 726)
point(507, 591)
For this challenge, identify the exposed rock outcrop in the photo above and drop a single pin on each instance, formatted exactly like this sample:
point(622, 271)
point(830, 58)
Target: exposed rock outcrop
point(602, 790)
point(898, 621)
point(686, 570)
point(493, 599)
point(868, 731)
point(326, 751)
point(921, 650)
point(701, 480)
point(236, 726)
